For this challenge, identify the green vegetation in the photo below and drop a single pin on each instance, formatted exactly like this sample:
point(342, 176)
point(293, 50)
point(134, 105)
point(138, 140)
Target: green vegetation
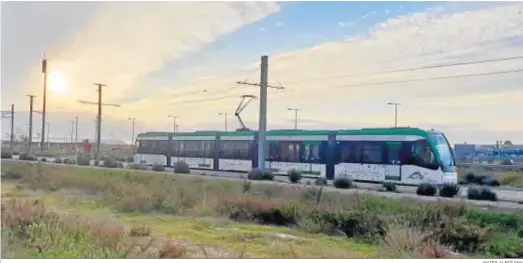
point(158, 168)
point(426, 189)
point(294, 176)
point(342, 182)
point(322, 224)
point(449, 190)
point(181, 167)
point(257, 174)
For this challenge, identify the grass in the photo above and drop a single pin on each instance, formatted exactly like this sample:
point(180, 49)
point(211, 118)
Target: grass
point(199, 212)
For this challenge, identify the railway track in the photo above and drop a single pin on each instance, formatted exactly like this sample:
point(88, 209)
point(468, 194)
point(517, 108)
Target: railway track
point(509, 199)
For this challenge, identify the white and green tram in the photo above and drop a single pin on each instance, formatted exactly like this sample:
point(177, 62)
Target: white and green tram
point(404, 155)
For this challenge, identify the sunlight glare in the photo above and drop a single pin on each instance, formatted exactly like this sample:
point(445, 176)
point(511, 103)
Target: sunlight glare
point(57, 82)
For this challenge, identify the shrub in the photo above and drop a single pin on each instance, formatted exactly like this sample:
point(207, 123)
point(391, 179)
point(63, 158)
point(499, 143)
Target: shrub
point(140, 230)
point(488, 180)
point(507, 162)
point(389, 187)
point(449, 190)
point(320, 181)
point(26, 157)
point(110, 163)
point(158, 168)
point(426, 189)
point(83, 159)
point(57, 160)
point(130, 159)
point(7, 155)
point(69, 161)
point(43, 159)
point(470, 178)
point(12, 175)
point(294, 175)
point(181, 167)
point(342, 182)
point(481, 193)
point(257, 174)
point(137, 166)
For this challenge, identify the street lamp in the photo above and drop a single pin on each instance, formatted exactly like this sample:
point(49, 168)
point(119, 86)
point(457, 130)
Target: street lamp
point(224, 114)
point(295, 116)
point(174, 121)
point(132, 137)
point(395, 104)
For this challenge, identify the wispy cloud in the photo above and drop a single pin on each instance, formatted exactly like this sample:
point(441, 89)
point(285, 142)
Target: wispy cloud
point(280, 23)
point(346, 24)
point(368, 14)
point(124, 41)
point(263, 29)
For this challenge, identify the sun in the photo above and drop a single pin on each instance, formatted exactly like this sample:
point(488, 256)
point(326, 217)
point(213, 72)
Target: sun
point(57, 82)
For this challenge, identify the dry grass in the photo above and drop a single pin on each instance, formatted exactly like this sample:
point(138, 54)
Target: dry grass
point(367, 218)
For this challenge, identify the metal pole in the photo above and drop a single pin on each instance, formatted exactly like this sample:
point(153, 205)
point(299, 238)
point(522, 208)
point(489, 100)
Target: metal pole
point(11, 144)
point(396, 115)
point(76, 130)
point(99, 122)
point(262, 125)
point(30, 139)
point(174, 122)
point(44, 70)
point(48, 129)
point(225, 122)
point(132, 136)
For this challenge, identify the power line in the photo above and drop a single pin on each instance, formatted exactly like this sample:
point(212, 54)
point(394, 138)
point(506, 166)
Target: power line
point(410, 69)
point(425, 79)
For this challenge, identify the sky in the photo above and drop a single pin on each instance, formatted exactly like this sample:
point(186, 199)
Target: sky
point(185, 59)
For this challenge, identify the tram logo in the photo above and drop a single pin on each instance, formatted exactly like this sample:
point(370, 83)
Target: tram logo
point(416, 176)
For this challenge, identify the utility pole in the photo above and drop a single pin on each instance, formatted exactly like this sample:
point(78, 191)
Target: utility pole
point(44, 70)
point(395, 104)
point(76, 131)
point(72, 133)
point(99, 122)
point(262, 124)
point(295, 116)
point(11, 143)
point(174, 122)
point(48, 128)
point(30, 139)
point(224, 114)
point(132, 136)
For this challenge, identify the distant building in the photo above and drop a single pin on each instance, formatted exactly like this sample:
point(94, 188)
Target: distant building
point(464, 150)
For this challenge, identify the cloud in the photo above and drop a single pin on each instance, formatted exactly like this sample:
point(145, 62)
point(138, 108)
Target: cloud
point(279, 24)
point(368, 14)
point(314, 76)
point(263, 29)
point(346, 24)
point(123, 42)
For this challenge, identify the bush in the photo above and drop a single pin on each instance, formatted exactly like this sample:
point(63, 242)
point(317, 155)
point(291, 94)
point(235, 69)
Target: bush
point(481, 193)
point(488, 180)
point(449, 190)
point(470, 178)
point(507, 162)
point(83, 159)
point(158, 168)
point(43, 159)
point(181, 167)
point(12, 175)
point(69, 161)
point(320, 181)
point(110, 163)
point(342, 182)
point(426, 189)
point(137, 166)
point(389, 187)
point(57, 160)
point(26, 157)
point(257, 174)
point(294, 175)
point(7, 155)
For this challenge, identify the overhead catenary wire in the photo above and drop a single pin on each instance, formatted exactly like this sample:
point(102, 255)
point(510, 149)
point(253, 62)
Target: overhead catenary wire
point(409, 69)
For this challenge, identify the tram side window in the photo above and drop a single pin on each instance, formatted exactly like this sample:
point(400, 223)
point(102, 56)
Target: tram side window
point(176, 148)
point(191, 148)
point(208, 149)
point(312, 153)
point(238, 150)
point(422, 155)
point(146, 147)
point(371, 152)
point(160, 147)
point(393, 151)
point(347, 152)
point(290, 152)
